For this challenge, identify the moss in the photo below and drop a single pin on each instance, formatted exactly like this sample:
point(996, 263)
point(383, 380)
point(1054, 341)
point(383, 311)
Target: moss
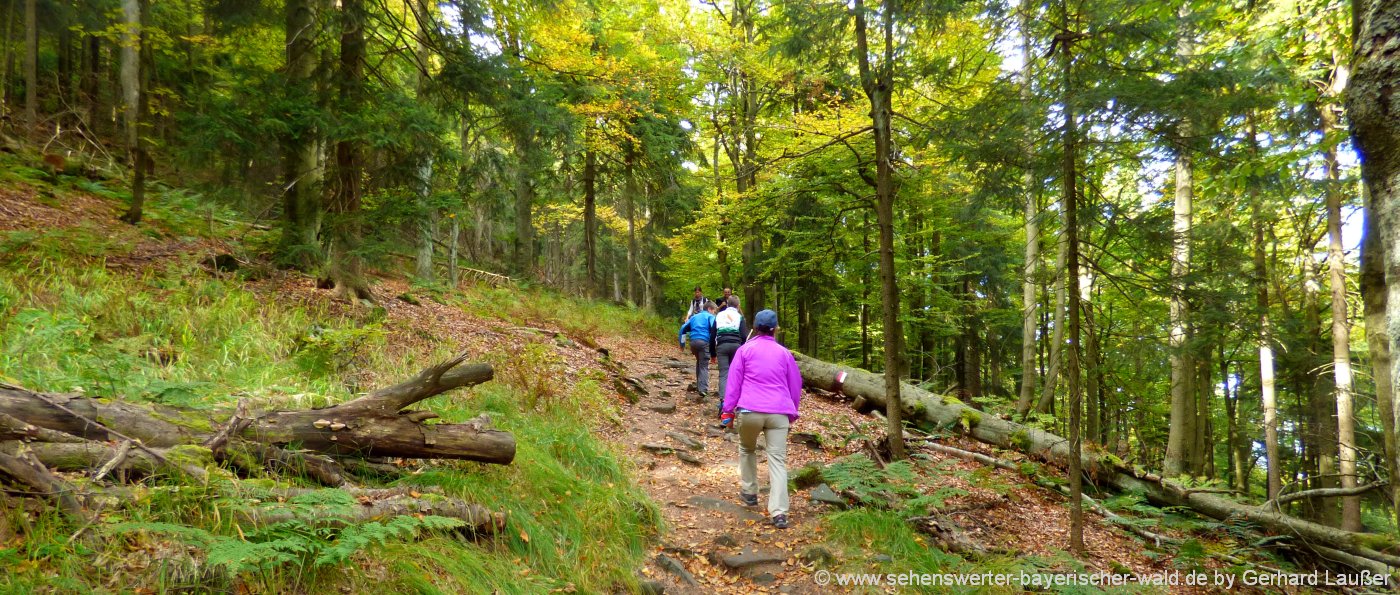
point(190, 454)
point(918, 410)
point(1021, 440)
point(808, 476)
point(951, 401)
point(1111, 461)
point(243, 459)
point(194, 422)
point(969, 418)
point(1377, 541)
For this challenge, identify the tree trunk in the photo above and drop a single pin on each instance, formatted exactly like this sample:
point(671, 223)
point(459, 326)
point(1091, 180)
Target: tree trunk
point(1069, 180)
point(1320, 442)
point(1341, 331)
point(524, 248)
point(131, 75)
point(453, 276)
point(1046, 404)
point(135, 63)
point(630, 191)
point(878, 87)
point(1032, 259)
point(301, 192)
point(8, 65)
point(347, 266)
point(590, 215)
point(88, 89)
point(31, 64)
point(1091, 370)
point(943, 413)
point(1374, 113)
point(1266, 350)
point(428, 212)
point(865, 282)
point(1373, 298)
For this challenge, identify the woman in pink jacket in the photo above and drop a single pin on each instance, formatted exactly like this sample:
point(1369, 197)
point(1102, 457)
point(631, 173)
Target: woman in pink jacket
point(763, 391)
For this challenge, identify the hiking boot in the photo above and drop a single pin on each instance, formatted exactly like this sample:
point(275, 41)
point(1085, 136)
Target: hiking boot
point(780, 521)
point(748, 499)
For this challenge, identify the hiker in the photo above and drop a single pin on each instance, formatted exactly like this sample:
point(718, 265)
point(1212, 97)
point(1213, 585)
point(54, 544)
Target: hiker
point(697, 304)
point(730, 331)
point(700, 326)
point(765, 388)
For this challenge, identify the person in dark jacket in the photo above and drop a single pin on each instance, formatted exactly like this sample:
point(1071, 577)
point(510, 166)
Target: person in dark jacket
point(730, 332)
point(701, 327)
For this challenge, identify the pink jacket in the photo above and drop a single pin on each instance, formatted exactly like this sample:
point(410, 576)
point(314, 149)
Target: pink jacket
point(763, 377)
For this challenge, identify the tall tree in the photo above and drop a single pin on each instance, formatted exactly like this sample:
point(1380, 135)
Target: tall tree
point(133, 77)
point(1065, 40)
point(31, 63)
point(1180, 429)
point(878, 83)
point(1374, 113)
point(302, 174)
point(1341, 332)
point(1269, 400)
point(346, 263)
point(427, 222)
point(1029, 302)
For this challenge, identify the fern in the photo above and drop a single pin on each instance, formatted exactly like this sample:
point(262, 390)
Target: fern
point(191, 535)
point(294, 542)
point(928, 503)
point(357, 537)
point(239, 557)
point(859, 475)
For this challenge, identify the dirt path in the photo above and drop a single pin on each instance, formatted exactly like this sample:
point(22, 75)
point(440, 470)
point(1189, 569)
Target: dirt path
point(714, 544)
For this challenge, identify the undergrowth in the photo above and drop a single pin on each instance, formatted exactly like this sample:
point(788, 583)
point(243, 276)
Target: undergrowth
point(75, 318)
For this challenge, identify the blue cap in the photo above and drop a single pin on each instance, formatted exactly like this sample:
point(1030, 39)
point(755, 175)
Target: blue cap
point(766, 319)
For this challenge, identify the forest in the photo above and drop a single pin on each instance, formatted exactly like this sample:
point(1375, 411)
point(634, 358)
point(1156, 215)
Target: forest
point(1159, 229)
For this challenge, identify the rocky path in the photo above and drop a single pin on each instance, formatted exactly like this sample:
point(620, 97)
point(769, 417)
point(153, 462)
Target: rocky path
point(715, 544)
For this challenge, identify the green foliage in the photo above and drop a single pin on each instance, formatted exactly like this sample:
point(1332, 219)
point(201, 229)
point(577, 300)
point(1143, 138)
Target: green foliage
point(533, 369)
point(173, 333)
point(298, 542)
point(325, 351)
point(862, 477)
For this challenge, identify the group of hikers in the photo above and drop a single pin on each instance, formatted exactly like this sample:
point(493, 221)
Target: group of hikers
point(760, 388)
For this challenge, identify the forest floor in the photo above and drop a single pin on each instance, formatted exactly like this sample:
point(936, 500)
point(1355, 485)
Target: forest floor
point(710, 542)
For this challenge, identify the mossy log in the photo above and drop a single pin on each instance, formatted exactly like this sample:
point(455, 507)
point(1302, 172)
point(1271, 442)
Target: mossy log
point(1106, 471)
point(376, 424)
point(40, 432)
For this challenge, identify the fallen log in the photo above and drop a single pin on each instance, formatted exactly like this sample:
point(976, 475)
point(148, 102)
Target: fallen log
point(376, 504)
point(40, 432)
point(376, 424)
point(948, 412)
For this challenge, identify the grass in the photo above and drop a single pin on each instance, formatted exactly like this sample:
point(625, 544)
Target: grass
point(578, 318)
point(177, 335)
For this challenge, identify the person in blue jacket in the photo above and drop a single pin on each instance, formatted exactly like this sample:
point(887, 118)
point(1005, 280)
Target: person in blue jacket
point(701, 327)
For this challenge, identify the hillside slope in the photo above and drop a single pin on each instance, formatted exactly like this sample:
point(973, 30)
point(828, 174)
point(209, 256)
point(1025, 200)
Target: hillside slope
point(598, 498)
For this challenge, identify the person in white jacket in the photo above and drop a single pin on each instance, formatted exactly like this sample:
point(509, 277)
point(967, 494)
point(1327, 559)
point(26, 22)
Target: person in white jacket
point(730, 332)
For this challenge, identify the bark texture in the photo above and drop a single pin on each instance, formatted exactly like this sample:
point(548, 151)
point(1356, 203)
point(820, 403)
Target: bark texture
point(1373, 109)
